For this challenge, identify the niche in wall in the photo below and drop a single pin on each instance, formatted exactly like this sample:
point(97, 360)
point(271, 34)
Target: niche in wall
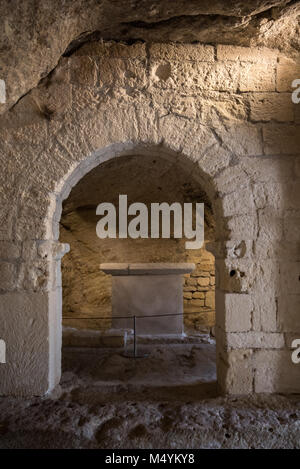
point(143, 178)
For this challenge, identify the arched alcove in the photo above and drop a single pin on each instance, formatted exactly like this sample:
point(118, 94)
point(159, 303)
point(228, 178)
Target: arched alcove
point(117, 154)
point(142, 178)
point(231, 291)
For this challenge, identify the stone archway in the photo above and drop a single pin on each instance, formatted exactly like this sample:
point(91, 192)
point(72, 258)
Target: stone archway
point(245, 186)
point(169, 159)
point(235, 301)
point(50, 251)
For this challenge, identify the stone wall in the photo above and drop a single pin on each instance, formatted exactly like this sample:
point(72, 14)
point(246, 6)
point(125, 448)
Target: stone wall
point(199, 294)
point(224, 115)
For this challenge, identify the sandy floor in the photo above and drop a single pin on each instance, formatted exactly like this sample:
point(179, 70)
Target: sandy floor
point(167, 400)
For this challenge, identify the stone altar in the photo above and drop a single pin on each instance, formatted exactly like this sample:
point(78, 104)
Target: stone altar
point(144, 290)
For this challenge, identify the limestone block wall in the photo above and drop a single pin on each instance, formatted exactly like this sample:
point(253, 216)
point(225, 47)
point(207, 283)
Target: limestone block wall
point(222, 113)
point(199, 294)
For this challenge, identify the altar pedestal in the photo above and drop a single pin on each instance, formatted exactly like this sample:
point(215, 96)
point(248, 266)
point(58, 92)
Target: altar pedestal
point(148, 290)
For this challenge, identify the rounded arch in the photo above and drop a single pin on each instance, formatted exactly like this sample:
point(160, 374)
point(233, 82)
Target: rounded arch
point(59, 167)
point(74, 175)
point(218, 248)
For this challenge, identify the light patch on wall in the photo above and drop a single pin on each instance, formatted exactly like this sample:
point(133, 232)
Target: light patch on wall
point(2, 92)
point(2, 351)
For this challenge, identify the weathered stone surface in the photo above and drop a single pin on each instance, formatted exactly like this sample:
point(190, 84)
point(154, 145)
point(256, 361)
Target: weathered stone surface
point(200, 295)
point(26, 347)
point(291, 226)
point(8, 276)
point(255, 340)
point(187, 295)
point(288, 313)
point(275, 372)
point(290, 277)
point(28, 28)
point(257, 77)
point(185, 52)
point(237, 374)
point(195, 76)
point(185, 139)
point(283, 139)
point(9, 250)
point(203, 282)
point(197, 419)
point(244, 54)
point(287, 71)
point(238, 307)
point(238, 203)
point(210, 299)
point(271, 106)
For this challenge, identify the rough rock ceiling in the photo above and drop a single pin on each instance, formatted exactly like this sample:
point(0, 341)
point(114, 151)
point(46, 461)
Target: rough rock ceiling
point(34, 34)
